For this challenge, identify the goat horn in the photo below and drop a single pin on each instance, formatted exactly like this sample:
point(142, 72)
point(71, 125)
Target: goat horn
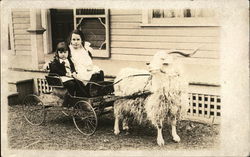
point(179, 52)
point(184, 54)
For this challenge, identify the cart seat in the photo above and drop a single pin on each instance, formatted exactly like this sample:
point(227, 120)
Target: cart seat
point(100, 88)
point(54, 81)
point(57, 85)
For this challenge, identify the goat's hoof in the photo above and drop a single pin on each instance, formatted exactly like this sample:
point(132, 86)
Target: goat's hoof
point(177, 138)
point(116, 132)
point(125, 128)
point(160, 142)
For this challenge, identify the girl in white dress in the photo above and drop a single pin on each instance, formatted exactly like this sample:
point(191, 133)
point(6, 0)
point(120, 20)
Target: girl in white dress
point(82, 58)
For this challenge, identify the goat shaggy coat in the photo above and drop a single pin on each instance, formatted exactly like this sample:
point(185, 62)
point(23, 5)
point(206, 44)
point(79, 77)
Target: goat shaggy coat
point(169, 99)
point(165, 101)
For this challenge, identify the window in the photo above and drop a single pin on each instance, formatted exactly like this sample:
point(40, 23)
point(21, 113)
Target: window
point(179, 17)
point(9, 43)
point(94, 23)
point(11, 37)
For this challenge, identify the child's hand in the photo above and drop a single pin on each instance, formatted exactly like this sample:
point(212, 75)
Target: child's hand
point(74, 75)
point(68, 75)
point(46, 66)
point(90, 68)
point(96, 69)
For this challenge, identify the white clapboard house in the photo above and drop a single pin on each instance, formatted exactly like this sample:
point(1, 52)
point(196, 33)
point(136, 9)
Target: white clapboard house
point(122, 38)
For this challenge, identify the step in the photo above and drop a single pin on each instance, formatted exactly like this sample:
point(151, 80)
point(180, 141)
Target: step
point(19, 89)
point(13, 98)
point(12, 87)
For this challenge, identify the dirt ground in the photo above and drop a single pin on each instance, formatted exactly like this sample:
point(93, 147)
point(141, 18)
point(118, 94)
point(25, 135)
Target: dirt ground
point(59, 133)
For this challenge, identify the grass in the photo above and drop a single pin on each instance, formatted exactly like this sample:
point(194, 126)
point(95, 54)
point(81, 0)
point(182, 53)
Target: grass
point(59, 133)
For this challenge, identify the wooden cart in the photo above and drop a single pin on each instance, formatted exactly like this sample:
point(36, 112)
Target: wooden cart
point(84, 110)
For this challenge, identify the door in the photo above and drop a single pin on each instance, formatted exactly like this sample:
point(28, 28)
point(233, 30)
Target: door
point(62, 24)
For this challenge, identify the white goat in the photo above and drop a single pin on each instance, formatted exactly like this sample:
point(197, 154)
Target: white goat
point(169, 98)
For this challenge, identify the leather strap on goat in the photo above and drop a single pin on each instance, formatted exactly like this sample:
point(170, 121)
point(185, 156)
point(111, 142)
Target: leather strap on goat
point(131, 76)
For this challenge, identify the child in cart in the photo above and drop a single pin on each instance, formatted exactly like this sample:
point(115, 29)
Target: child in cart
point(82, 58)
point(63, 66)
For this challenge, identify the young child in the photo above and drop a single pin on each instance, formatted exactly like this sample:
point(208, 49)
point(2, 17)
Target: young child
point(82, 58)
point(63, 66)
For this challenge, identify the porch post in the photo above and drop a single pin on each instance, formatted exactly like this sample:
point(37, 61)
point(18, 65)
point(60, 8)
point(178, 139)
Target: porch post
point(36, 32)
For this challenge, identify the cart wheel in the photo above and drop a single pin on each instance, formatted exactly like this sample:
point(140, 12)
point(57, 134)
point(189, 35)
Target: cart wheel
point(34, 111)
point(84, 117)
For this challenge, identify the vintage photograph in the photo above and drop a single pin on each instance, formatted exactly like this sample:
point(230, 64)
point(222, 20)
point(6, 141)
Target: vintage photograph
point(86, 78)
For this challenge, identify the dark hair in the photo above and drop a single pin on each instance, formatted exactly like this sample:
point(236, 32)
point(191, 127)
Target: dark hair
point(79, 32)
point(62, 46)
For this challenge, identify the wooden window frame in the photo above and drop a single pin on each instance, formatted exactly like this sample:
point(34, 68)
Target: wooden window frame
point(11, 33)
point(98, 53)
point(147, 20)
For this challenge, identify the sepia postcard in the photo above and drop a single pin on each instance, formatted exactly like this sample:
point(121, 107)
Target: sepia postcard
point(125, 78)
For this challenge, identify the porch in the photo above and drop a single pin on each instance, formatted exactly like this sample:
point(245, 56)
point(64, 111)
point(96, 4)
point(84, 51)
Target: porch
point(128, 47)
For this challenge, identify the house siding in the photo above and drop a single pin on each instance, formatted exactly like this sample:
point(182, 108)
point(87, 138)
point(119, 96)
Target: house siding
point(20, 24)
point(131, 41)
point(131, 45)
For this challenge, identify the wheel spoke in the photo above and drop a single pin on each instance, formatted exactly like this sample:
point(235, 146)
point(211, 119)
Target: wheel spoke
point(91, 123)
point(85, 118)
point(87, 125)
point(77, 111)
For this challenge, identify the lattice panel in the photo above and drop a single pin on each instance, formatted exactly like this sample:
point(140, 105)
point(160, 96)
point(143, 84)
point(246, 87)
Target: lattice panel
point(202, 105)
point(42, 86)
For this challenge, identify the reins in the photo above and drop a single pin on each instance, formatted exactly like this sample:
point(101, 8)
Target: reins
point(136, 75)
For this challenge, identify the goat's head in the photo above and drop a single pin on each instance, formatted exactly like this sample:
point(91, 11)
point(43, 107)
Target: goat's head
point(159, 61)
point(164, 63)
point(162, 60)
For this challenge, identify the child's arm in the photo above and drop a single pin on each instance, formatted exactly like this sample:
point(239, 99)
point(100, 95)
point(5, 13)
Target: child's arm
point(88, 48)
point(73, 69)
point(46, 66)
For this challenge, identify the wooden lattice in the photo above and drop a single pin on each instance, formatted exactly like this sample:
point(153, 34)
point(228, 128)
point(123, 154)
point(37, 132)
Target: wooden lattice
point(42, 86)
point(203, 105)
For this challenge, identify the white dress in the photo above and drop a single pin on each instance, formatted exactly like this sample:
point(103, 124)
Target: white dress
point(83, 64)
